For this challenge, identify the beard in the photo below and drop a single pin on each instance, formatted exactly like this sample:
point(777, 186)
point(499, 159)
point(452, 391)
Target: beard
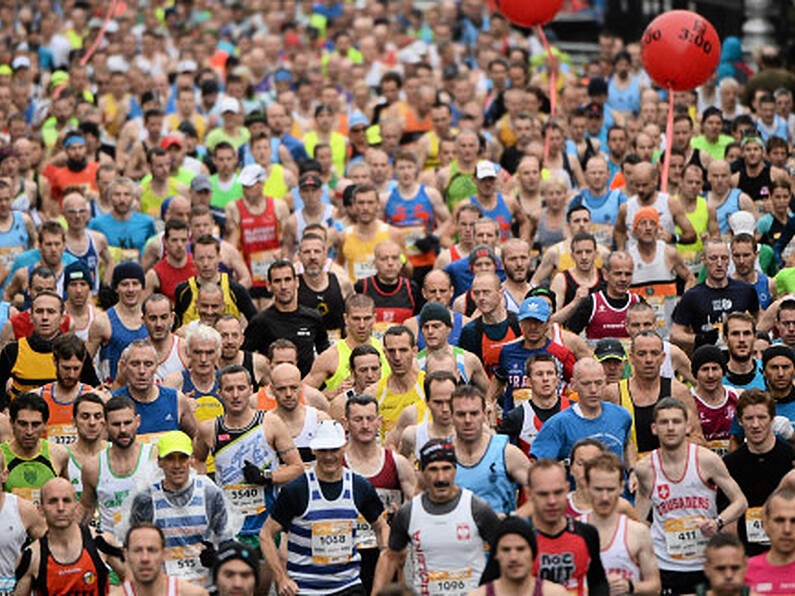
point(76, 165)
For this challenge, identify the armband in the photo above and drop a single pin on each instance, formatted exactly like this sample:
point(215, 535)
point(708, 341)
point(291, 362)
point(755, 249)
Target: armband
point(24, 563)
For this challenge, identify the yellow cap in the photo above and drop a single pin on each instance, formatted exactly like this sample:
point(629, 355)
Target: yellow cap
point(174, 441)
point(5, 70)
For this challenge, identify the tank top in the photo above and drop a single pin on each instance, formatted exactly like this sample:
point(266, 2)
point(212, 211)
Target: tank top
point(490, 346)
point(762, 287)
point(607, 321)
point(232, 447)
point(489, 477)
point(82, 332)
point(329, 302)
point(172, 587)
point(447, 552)
point(12, 540)
point(390, 405)
point(571, 287)
point(572, 510)
point(112, 488)
point(88, 576)
point(661, 204)
point(305, 435)
point(758, 187)
point(158, 416)
point(325, 536)
point(459, 354)
point(230, 303)
point(546, 237)
point(120, 337)
point(421, 436)
point(327, 218)
point(624, 100)
point(75, 473)
point(538, 590)
point(532, 423)
point(151, 202)
point(716, 421)
point(173, 361)
point(655, 282)
point(208, 402)
point(730, 205)
point(359, 254)
point(386, 483)
point(499, 213)
point(184, 528)
point(275, 186)
point(170, 277)
point(14, 241)
point(678, 506)
point(391, 308)
point(699, 219)
point(460, 186)
point(616, 558)
point(90, 258)
point(27, 476)
point(60, 425)
point(224, 193)
point(344, 366)
point(259, 239)
point(415, 217)
point(642, 416)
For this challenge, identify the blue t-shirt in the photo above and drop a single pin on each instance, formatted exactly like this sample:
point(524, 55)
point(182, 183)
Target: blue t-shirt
point(131, 233)
point(564, 429)
point(462, 277)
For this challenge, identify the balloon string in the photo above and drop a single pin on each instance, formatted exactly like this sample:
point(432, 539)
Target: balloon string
point(94, 46)
point(669, 137)
point(87, 56)
point(553, 82)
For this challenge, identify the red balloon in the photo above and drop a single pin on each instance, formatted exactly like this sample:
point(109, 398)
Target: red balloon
point(680, 49)
point(528, 13)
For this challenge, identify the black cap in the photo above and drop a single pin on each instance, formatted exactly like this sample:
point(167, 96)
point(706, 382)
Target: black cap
point(310, 180)
point(234, 550)
point(437, 450)
point(609, 348)
point(597, 86)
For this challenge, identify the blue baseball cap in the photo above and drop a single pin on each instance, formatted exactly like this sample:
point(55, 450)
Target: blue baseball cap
point(534, 308)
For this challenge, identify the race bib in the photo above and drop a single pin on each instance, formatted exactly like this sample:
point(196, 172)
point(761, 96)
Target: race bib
point(183, 562)
point(124, 254)
point(8, 254)
point(363, 269)
point(365, 534)
point(450, 583)
point(719, 446)
point(683, 539)
point(29, 494)
point(248, 498)
point(332, 542)
point(260, 262)
point(411, 234)
point(62, 434)
point(753, 526)
point(520, 395)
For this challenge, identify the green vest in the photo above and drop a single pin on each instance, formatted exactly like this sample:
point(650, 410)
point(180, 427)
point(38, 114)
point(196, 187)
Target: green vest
point(27, 476)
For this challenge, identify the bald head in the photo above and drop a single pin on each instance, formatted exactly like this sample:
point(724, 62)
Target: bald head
point(286, 385)
point(57, 486)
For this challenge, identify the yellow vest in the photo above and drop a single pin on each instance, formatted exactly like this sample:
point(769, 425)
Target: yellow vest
point(275, 186)
point(32, 369)
point(230, 306)
point(390, 405)
point(359, 254)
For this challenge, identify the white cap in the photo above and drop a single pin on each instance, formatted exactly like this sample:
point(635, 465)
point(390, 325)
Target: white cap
point(485, 169)
point(230, 104)
point(328, 435)
point(116, 63)
point(742, 222)
point(112, 27)
point(20, 62)
point(252, 174)
point(187, 66)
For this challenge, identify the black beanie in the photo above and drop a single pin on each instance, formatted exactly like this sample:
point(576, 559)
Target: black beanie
point(777, 350)
point(707, 353)
point(510, 525)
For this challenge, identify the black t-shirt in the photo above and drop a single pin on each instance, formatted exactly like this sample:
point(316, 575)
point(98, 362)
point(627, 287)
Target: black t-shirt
point(293, 498)
point(304, 327)
point(702, 306)
point(758, 475)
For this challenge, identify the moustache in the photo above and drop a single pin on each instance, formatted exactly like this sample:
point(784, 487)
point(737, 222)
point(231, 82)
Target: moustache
point(441, 484)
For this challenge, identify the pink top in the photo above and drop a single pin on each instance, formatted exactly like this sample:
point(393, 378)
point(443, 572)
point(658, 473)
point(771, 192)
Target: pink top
point(764, 578)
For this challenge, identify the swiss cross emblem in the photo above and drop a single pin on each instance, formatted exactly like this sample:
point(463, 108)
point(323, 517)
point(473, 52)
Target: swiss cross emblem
point(462, 532)
point(663, 491)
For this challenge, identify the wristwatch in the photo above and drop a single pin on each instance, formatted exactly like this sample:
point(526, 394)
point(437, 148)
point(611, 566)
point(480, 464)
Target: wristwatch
point(719, 522)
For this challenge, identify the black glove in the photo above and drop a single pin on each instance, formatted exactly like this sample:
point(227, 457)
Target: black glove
point(207, 556)
point(254, 475)
point(427, 243)
point(707, 338)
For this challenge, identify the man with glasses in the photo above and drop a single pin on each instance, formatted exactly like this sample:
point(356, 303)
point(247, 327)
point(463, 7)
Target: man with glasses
point(698, 318)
